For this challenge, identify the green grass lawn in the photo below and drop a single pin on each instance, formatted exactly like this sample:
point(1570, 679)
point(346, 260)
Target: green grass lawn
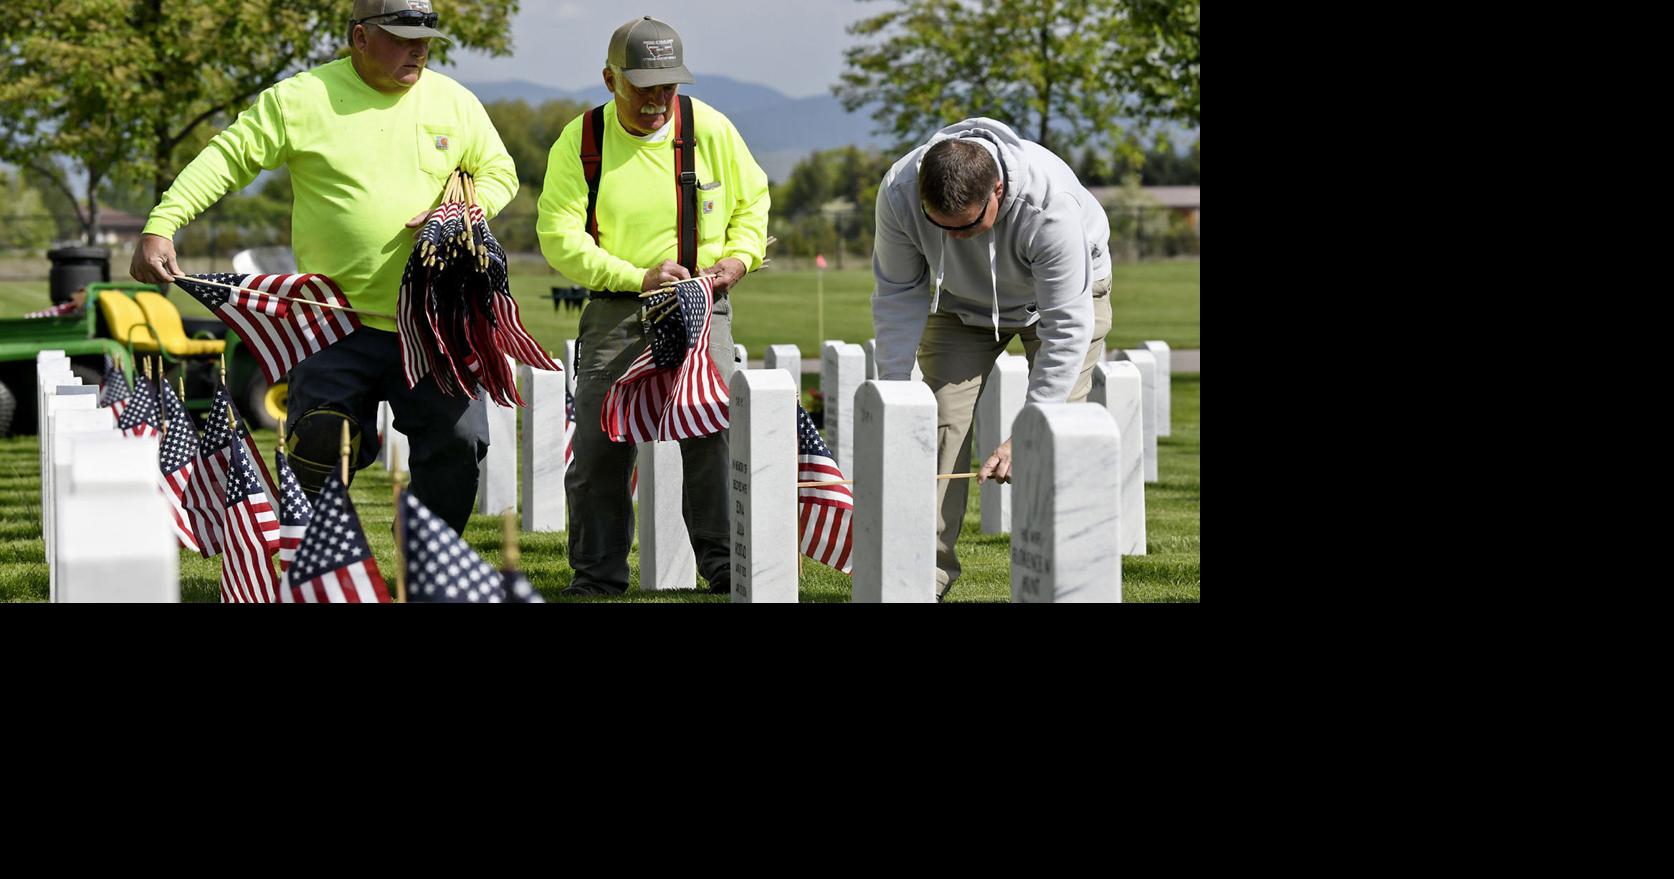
point(1158, 300)
point(1171, 572)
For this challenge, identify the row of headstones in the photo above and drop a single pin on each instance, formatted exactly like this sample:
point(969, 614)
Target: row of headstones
point(1133, 385)
point(104, 521)
point(1066, 522)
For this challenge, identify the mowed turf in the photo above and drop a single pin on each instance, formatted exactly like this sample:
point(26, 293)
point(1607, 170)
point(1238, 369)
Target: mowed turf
point(1170, 572)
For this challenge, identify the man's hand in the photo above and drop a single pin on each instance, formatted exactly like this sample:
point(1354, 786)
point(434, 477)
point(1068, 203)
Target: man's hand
point(418, 219)
point(656, 276)
point(153, 261)
point(726, 273)
point(998, 465)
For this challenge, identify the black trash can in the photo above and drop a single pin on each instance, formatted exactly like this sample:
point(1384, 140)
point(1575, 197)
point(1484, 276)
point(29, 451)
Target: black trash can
point(75, 267)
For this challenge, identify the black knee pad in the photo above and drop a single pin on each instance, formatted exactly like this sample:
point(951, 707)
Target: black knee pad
point(314, 446)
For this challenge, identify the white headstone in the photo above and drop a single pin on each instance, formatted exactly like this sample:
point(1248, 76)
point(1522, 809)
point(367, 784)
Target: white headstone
point(569, 364)
point(740, 355)
point(763, 444)
point(1165, 379)
point(49, 374)
point(1118, 388)
point(1001, 400)
point(666, 560)
point(870, 346)
point(787, 358)
point(497, 472)
point(396, 449)
point(1147, 364)
point(115, 543)
point(56, 400)
point(65, 426)
point(542, 449)
point(842, 367)
point(1066, 511)
point(894, 492)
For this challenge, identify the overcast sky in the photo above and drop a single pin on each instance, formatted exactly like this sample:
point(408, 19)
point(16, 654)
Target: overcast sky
point(795, 46)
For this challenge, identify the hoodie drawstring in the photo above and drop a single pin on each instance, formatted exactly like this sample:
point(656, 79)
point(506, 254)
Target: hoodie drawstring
point(940, 261)
point(993, 281)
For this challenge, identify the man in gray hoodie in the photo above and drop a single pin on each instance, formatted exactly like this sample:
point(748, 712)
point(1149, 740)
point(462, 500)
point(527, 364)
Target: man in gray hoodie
point(981, 237)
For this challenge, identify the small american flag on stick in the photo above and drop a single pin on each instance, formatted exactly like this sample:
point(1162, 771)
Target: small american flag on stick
point(825, 512)
point(334, 564)
point(270, 313)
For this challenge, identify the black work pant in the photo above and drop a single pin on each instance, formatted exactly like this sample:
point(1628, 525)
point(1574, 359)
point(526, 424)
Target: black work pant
point(449, 435)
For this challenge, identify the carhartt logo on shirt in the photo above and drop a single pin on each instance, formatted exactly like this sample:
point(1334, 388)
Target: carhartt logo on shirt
point(709, 207)
point(441, 141)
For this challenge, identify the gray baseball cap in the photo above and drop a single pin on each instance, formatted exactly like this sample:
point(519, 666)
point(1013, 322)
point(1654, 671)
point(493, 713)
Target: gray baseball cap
point(649, 53)
point(408, 19)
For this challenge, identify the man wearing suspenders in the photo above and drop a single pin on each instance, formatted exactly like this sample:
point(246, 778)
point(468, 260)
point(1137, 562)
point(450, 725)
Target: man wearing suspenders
point(651, 187)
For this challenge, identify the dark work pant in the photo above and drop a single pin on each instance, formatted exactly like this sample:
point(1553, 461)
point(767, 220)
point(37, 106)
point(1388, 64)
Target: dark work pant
point(601, 509)
point(449, 435)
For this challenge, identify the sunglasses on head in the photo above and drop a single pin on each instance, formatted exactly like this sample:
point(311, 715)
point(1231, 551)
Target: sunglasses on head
point(971, 225)
point(407, 17)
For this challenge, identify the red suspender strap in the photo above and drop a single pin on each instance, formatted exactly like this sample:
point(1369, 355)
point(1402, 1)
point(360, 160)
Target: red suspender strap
point(685, 176)
point(592, 136)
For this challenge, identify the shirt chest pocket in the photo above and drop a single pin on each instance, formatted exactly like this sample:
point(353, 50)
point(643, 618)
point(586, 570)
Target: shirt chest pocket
point(438, 150)
point(713, 209)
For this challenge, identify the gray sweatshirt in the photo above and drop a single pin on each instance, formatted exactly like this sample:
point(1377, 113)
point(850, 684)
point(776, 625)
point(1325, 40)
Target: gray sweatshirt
point(1036, 266)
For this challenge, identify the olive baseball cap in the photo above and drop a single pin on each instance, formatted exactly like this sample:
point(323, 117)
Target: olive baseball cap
point(649, 53)
point(408, 19)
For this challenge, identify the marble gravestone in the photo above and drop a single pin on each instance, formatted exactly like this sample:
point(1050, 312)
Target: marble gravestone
point(842, 368)
point(1065, 513)
point(1001, 400)
point(870, 346)
point(1117, 387)
point(666, 560)
point(740, 355)
point(789, 359)
point(541, 447)
point(894, 493)
point(1147, 364)
point(1165, 389)
point(396, 449)
point(497, 472)
point(763, 446)
point(66, 426)
point(115, 543)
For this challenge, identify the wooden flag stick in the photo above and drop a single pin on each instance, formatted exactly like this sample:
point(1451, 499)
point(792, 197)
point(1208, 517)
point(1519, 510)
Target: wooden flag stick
point(509, 553)
point(345, 454)
point(280, 449)
point(851, 481)
point(771, 240)
point(400, 537)
point(313, 302)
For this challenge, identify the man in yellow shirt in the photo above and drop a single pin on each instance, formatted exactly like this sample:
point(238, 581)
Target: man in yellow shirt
point(370, 141)
point(620, 236)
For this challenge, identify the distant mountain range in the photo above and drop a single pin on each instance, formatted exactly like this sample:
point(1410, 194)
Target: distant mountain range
point(780, 130)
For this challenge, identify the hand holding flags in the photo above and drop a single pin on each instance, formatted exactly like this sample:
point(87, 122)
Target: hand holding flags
point(673, 390)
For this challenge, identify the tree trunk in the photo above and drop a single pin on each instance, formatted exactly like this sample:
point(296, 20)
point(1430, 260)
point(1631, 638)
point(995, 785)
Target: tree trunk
point(1046, 79)
point(92, 208)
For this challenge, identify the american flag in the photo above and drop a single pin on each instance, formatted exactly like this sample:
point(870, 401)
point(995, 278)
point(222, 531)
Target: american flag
point(282, 334)
point(440, 566)
point(178, 456)
point(62, 309)
point(113, 391)
point(673, 390)
point(294, 512)
point(208, 486)
point(825, 512)
point(139, 416)
point(518, 589)
point(334, 565)
point(251, 533)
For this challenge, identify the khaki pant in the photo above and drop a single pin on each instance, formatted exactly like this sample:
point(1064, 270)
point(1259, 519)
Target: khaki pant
point(956, 360)
point(601, 509)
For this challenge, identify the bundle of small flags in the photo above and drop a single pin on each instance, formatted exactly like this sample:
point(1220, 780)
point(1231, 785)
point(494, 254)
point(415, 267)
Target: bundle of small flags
point(456, 315)
point(673, 390)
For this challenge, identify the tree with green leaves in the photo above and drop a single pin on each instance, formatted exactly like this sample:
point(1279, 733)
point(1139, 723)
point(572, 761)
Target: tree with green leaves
point(130, 87)
point(1058, 71)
